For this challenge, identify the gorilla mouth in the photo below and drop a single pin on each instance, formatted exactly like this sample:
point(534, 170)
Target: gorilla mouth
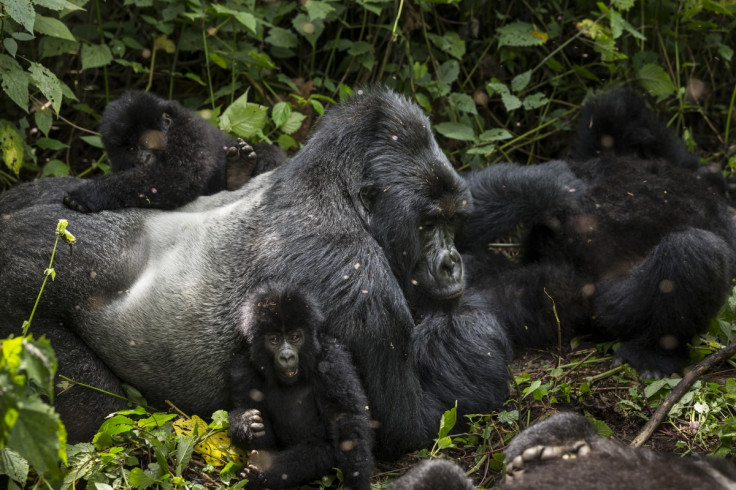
point(288, 375)
point(449, 293)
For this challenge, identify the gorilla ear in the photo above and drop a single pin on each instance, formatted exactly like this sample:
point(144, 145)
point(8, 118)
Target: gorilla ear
point(364, 205)
point(166, 121)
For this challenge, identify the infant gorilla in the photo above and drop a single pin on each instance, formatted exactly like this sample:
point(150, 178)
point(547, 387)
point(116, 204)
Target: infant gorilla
point(163, 156)
point(298, 400)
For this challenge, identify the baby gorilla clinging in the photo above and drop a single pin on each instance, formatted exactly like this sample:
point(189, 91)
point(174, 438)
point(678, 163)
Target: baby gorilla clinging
point(163, 155)
point(297, 397)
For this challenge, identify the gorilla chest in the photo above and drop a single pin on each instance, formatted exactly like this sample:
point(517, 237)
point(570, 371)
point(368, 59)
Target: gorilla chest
point(295, 415)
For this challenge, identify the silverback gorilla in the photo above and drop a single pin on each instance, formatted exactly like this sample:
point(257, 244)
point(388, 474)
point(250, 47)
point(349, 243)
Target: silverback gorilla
point(164, 156)
point(364, 216)
point(628, 238)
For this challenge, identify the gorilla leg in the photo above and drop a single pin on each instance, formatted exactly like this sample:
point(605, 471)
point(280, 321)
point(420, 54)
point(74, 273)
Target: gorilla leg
point(436, 473)
point(666, 299)
point(78, 362)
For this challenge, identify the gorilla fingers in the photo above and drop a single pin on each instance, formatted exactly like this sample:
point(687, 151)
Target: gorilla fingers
point(163, 156)
point(298, 401)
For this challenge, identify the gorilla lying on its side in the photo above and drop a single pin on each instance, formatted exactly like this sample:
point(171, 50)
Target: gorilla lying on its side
point(638, 247)
point(364, 217)
point(566, 448)
point(297, 398)
point(163, 156)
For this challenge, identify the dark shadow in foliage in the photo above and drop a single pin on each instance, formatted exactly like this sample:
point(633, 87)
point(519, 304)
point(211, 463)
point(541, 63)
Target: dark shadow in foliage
point(163, 156)
point(628, 239)
point(363, 217)
point(297, 398)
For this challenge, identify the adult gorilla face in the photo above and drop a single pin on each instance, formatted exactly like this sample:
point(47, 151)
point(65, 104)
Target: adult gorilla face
point(420, 247)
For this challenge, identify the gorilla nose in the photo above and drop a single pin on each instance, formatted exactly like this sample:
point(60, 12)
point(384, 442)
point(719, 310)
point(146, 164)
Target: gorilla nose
point(450, 268)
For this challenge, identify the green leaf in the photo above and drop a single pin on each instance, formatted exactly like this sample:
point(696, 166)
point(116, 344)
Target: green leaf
point(53, 46)
point(14, 81)
point(138, 479)
point(451, 43)
point(38, 436)
point(38, 361)
point(22, 12)
point(318, 9)
point(52, 27)
point(13, 465)
point(448, 71)
point(449, 418)
point(535, 101)
point(463, 102)
point(93, 140)
point(294, 122)
point(110, 427)
point(510, 102)
point(248, 20)
point(11, 143)
point(184, 450)
point(44, 119)
point(456, 131)
point(655, 80)
point(359, 47)
point(495, 134)
point(47, 83)
point(244, 118)
point(310, 29)
point(520, 81)
point(282, 38)
point(55, 168)
point(486, 150)
point(286, 142)
point(11, 46)
point(520, 34)
point(603, 430)
point(57, 5)
point(280, 114)
point(95, 56)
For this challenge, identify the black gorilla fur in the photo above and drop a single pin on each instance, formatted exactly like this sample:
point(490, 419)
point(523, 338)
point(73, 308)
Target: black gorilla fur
point(163, 156)
point(565, 447)
point(317, 417)
point(363, 216)
point(433, 474)
point(628, 239)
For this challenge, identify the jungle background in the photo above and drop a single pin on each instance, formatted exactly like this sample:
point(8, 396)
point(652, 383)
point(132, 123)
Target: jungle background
point(501, 81)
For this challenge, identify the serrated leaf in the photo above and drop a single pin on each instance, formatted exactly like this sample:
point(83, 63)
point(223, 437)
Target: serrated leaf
point(47, 83)
point(243, 118)
point(601, 427)
point(535, 101)
point(447, 423)
point(38, 361)
point(57, 5)
point(286, 142)
point(53, 46)
point(280, 113)
point(22, 12)
point(95, 56)
point(14, 81)
point(10, 46)
point(139, 479)
point(519, 34)
point(318, 9)
point(495, 134)
point(448, 72)
point(655, 80)
point(52, 27)
point(510, 102)
point(11, 143)
point(463, 102)
point(520, 81)
point(13, 465)
point(248, 20)
point(38, 436)
point(55, 168)
point(456, 131)
point(310, 29)
point(117, 424)
point(486, 150)
point(451, 43)
point(44, 119)
point(294, 122)
point(282, 38)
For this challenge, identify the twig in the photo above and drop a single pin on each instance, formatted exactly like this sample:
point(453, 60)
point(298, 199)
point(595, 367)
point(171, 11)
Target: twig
point(680, 389)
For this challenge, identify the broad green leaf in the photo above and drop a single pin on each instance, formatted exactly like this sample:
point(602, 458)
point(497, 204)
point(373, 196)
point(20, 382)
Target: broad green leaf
point(449, 418)
point(359, 47)
point(95, 56)
point(451, 43)
point(486, 150)
point(10, 46)
point(495, 134)
point(282, 38)
point(318, 9)
point(280, 113)
point(655, 80)
point(54, 46)
point(55, 168)
point(39, 363)
point(463, 102)
point(11, 143)
point(456, 131)
point(139, 479)
point(52, 27)
point(520, 34)
point(57, 5)
point(44, 118)
point(47, 83)
point(293, 123)
point(535, 101)
point(22, 12)
point(520, 81)
point(601, 427)
point(510, 102)
point(310, 29)
point(184, 450)
point(286, 142)
point(13, 465)
point(448, 72)
point(39, 436)
point(248, 20)
point(110, 427)
point(14, 81)
point(243, 118)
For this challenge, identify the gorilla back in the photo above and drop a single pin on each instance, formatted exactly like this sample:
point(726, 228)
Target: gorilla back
point(364, 216)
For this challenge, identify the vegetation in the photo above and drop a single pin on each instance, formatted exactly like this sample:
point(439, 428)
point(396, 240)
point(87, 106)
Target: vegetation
point(502, 81)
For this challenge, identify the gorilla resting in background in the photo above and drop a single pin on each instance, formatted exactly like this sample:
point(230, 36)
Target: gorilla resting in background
point(364, 217)
point(628, 239)
point(163, 156)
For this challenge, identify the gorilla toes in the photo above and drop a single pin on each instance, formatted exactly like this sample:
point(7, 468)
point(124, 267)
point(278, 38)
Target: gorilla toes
point(535, 455)
point(254, 423)
point(241, 164)
point(254, 476)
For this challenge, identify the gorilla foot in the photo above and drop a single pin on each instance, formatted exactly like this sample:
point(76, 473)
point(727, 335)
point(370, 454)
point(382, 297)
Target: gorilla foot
point(75, 203)
point(241, 163)
point(535, 455)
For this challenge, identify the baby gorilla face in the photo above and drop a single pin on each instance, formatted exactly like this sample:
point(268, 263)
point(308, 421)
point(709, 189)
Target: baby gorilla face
point(285, 350)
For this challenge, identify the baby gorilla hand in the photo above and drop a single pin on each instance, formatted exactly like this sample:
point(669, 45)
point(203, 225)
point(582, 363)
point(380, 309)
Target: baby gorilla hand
point(253, 423)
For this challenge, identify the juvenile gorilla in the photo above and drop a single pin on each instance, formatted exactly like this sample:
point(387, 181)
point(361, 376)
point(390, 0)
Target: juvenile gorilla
point(364, 217)
point(163, 156)
point(297, 397)
point(628, 240)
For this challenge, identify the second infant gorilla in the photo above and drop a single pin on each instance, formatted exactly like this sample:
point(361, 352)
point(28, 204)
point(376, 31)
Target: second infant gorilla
point(163, 156)
point(297, 396)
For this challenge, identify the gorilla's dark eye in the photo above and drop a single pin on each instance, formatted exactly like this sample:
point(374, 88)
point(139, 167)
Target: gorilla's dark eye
point(131, 148)
point(274, 339)
point(427, 226)
point(295, 337)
